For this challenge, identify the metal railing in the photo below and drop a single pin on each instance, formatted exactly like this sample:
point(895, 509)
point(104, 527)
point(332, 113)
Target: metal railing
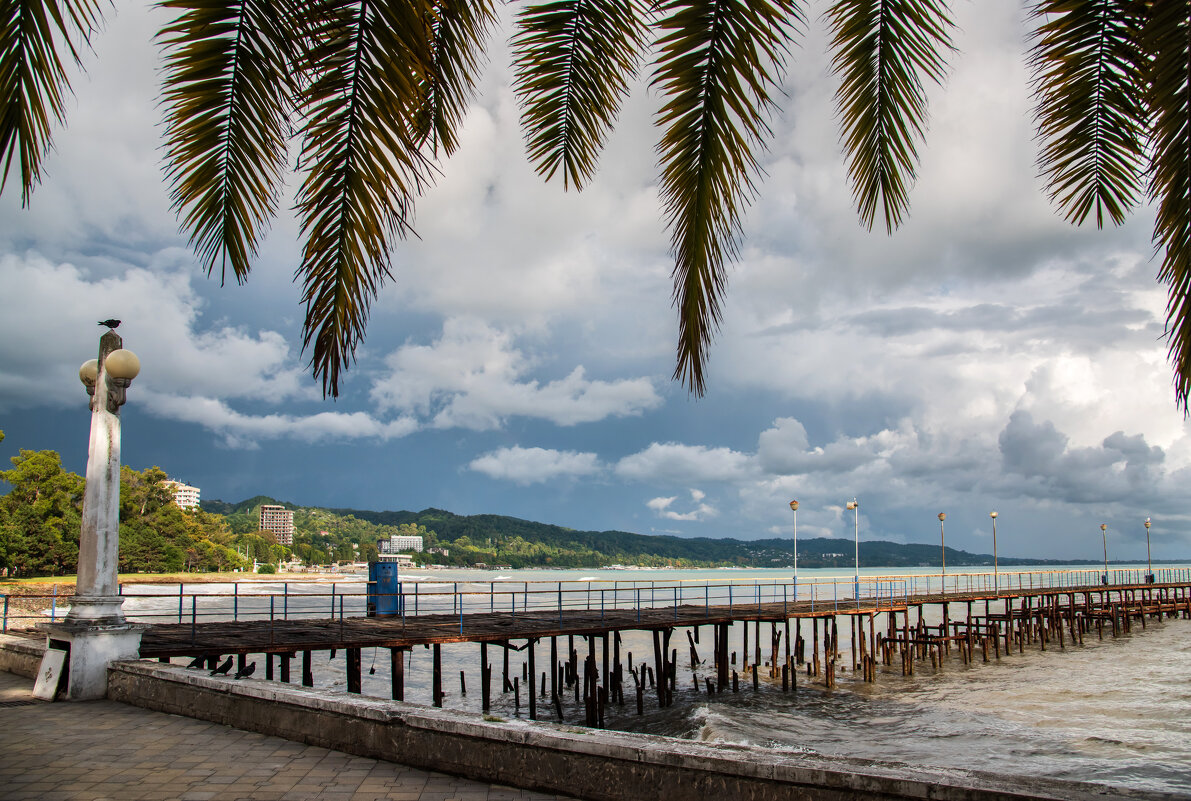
point(196, 603)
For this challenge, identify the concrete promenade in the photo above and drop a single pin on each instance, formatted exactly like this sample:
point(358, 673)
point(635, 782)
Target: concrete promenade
point(97, 750)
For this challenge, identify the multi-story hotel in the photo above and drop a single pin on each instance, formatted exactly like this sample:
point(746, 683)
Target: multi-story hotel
point(279, 521)
point(398, 543)
point(185, 496)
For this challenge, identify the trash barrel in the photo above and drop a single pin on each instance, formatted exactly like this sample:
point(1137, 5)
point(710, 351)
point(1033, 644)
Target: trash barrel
point(384, 590)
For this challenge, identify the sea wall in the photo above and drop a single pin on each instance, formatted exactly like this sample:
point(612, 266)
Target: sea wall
point(590, 764)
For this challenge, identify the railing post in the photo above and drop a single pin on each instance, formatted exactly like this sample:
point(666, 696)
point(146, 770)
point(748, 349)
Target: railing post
point(236, 602)
point(285, 601)
point(193, 614)
point(333, 599)
point(5, 613)
point(179, 602)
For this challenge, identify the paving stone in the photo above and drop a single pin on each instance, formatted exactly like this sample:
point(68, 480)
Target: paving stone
point(105, 751)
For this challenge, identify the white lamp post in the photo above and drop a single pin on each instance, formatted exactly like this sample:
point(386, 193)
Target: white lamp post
point(1104, 536)
point(943, 550)
point(794, 509)
point(1149, 561)
point(854, 505)
point(996, 574)
point(94, 632)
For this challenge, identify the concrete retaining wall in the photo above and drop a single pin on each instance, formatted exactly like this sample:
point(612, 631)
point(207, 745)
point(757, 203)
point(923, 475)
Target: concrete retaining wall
point(21, 655)
point(597, 765)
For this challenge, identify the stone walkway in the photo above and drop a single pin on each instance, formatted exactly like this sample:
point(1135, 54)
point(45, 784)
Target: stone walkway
point(102, 750)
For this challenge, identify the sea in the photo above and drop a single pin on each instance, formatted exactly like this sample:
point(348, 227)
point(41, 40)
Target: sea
point(1115, 711)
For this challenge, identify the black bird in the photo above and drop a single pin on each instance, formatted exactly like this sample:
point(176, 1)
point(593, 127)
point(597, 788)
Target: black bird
point(224, 667)
point(110, 323)
point(245, 671)
point(198, 662)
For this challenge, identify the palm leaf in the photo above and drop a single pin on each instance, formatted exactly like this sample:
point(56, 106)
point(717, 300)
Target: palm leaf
point(573, 61)
point(884, 49)
point(227, 95)
point(717, 64)
point(1090, 115)
point(460, 29)
point(33, 77)
point(1167, 42)
point(368, 61)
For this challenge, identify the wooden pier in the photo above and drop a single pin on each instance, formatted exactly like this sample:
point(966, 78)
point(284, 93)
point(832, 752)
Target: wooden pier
point(788, 639)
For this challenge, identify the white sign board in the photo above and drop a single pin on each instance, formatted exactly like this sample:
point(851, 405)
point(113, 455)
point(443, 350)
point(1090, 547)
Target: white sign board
point(53, 663)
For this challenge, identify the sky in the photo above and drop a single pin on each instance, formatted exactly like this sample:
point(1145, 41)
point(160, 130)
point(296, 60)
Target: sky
point(987, 356)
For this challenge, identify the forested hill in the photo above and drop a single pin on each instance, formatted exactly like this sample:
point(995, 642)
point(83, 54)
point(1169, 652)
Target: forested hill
point(496, 539)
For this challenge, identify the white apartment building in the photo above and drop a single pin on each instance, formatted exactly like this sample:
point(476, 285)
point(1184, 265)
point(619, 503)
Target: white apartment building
point(279, 521)
point(185, 496)
point(397, 543)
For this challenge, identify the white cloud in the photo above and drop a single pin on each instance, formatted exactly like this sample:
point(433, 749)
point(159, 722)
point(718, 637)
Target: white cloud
point(526, 466)
point(244, 430)
point(50, 329)
point(474, 377)
point(699, 511)
point(673, 463)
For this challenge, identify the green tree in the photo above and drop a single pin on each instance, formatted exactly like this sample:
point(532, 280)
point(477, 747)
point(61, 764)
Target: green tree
point(378, 89)
point(40, 517)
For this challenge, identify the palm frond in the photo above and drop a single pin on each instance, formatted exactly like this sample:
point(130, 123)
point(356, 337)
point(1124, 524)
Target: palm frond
point(883, 52)
point(460, 29)
point(367, 66)
point(1090, 115)
point(573, 61)
point(1167, 42)
point(33, 77)
point(718, 62)
point(227, 94)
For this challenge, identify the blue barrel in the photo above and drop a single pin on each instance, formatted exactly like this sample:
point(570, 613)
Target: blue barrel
point(384, 590)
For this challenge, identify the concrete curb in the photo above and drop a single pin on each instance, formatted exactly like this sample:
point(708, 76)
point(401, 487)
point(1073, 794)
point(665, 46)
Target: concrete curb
point(597, 765)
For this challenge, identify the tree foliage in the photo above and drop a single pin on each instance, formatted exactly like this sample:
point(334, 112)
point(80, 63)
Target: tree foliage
point(371, 92)
point(41, 516)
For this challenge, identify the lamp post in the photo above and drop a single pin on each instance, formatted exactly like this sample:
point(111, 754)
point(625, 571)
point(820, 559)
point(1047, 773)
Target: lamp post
point(1149, 561)
point(943, 550)
point(794, 509)
point(996, 573)
point(1104, 536)
point(94, 631)
point(854, 505)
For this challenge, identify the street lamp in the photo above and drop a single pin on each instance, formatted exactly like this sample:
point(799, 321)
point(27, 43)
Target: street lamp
point(854, 505)
point(794, 509)
point(1104, 536)
point(996, 575)
point(943, 548)
point(94, 631)
point(1149, 561)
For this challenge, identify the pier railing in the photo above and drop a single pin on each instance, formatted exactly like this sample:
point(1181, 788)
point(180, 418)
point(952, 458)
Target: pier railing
point(295, 600)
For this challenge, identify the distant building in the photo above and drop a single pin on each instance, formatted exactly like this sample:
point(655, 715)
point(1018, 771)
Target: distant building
point(402, 559)
point(397, 543)
point(185, 496)
point(279, 521)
